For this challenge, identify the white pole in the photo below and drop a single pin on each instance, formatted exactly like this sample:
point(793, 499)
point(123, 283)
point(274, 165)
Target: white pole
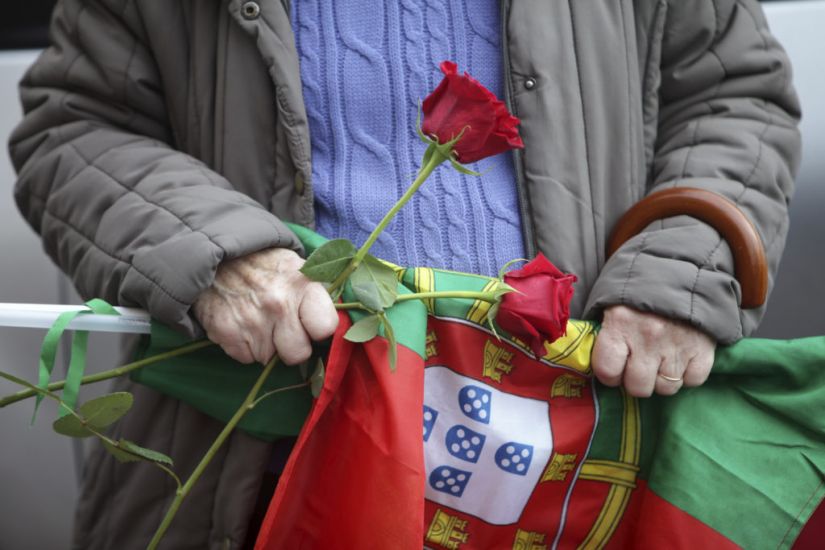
point(130, 320)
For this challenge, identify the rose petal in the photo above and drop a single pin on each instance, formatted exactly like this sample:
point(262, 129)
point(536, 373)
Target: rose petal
point(460, 105)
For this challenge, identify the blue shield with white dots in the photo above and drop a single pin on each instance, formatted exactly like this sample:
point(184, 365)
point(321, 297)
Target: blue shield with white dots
point(449, 480)
point(430, 416)
point(485, 449)
point(514, 457)
point(474, 402)
point(465, 443)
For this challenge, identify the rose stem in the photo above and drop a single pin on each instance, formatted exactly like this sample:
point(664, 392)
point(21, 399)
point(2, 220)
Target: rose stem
point(247, 405)
point(435, 159)
point(113, 373)
point(485, 296)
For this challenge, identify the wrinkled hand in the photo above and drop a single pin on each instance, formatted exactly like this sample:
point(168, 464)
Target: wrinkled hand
point(646, 352)
point(261, 304)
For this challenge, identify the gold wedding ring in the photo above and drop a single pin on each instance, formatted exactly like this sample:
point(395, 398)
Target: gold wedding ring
point(670, 378)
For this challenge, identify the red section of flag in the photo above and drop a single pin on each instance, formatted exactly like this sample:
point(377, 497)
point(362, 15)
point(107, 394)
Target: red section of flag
point(652, 522)
point(356, 476)
point(473, 353)
point(812, 536)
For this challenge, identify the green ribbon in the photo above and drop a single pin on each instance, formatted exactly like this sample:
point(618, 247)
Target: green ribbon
point(77, 363)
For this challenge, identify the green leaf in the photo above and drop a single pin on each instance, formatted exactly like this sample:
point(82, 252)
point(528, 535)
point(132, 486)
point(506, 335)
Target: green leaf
point(96, 414)
point(71, 426)
point(106, 410)
point(121, 455)
point(377, 283)
point(329, 260)
point(364, 330)
point(389, 334)
point(317, 378)
point(126, 451)
point(146, 454)
point(368, 295)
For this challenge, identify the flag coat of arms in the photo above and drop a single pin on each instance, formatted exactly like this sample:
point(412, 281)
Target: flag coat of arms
point(474, 443)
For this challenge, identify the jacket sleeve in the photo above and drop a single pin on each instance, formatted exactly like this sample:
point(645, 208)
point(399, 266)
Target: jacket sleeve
point(125, 215)
point(727, 123)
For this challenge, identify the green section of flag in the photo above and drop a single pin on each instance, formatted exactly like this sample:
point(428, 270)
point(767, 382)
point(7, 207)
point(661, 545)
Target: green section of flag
point(753, 434)
point(215, 384)
point(607, 438)
point(745, 452)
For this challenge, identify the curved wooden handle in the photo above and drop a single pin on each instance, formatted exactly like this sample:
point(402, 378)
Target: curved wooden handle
point(750, 265)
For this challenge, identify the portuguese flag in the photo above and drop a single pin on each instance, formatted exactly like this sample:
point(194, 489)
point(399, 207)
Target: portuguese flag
point(472, 443)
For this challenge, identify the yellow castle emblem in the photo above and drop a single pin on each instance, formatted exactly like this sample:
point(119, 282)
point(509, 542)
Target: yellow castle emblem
point(496, 361)
point(431, 348)
point(560, 465)
point(567, 385)
point(447, 531)
point(527, 540)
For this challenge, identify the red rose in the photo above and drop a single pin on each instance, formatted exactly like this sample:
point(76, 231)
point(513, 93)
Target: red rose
point(539, 311)
point(461, 103)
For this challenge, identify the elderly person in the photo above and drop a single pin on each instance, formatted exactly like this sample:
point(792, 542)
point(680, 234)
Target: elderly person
point(165, 143)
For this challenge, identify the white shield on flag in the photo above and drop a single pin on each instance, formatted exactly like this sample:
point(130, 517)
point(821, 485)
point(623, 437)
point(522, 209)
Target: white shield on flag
point(484, 449)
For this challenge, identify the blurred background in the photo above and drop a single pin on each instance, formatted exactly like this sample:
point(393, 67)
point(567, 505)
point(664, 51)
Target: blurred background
point(40, 471)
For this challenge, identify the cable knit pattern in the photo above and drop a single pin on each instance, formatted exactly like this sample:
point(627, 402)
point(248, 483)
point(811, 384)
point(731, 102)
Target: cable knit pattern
point(365, 66)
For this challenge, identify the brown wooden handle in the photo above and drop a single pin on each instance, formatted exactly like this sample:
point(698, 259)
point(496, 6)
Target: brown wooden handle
point(750, 265)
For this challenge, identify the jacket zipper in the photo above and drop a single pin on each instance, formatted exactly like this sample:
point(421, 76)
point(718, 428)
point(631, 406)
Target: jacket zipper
point(527, 230)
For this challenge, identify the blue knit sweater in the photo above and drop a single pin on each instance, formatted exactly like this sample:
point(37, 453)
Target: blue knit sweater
point(365, 65)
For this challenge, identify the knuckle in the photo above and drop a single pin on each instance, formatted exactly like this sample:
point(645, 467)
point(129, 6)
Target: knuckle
point(619, 313)
point(239, 353)
point(696, 376)
point(275, 302)
point(609, 360)
point(287, 259)
point(653, 329)
point(608, 369)
point(327, 325)
point(295, 354)
point(221, 333)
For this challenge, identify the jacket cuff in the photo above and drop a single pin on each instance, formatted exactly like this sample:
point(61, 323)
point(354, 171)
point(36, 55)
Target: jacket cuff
point(169, 278)
point(649, 274)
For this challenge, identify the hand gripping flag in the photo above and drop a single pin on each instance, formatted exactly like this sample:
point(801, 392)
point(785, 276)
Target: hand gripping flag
point(472, 443)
